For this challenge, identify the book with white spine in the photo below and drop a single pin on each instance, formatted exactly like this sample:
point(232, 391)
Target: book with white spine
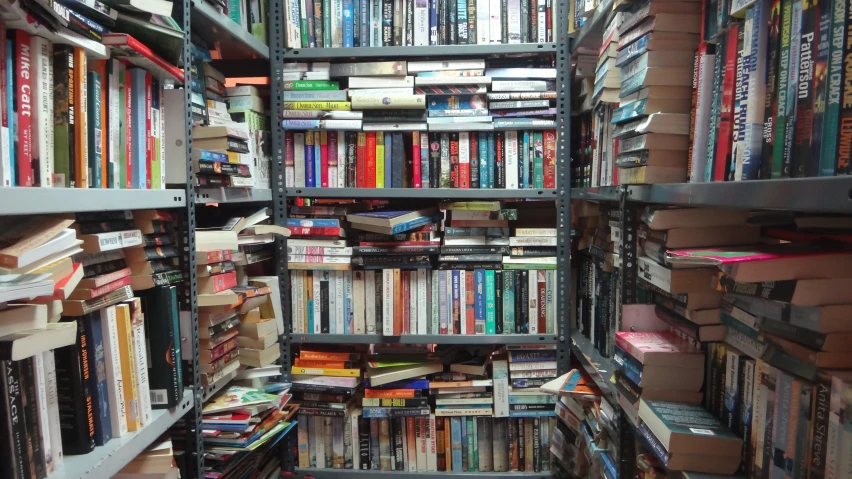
point(453, 80)
point(380, 91)
point(370, 303)
point(299, 159)
point(483, 22)
point(112, 359)
point(296, 300)
point(495, 8)
point(347, 295)
point(511, 160)
point(358, 302)
point(339, 281)
point(42, 109)
point(514, 21)
point(421, 23)
point(435, 304)
point(341, 159)
point(292, 24)
point(40, 378)
point(382, 82)
point(423, 313)
point(431, 65)
point(413, 316)
point(53, 411)
point(140, 356)
point(385, 126)
point(387, 304)
point(317, 304)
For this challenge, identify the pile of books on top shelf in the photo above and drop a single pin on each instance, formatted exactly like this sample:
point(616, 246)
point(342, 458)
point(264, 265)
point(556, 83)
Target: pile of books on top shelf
point(89, 122)
point(243, 427)
point(420, 410)
point(460, 269)
point(339, 24)
point(429, 124)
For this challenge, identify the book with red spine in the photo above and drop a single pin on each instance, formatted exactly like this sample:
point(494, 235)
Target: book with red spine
point(217, 283)
point(323, 159)
point(406, 307)
point(23, 84)
point(724, 137)
point(474, 160)
point(371, 159)
point(209, 257)
point(464, 160)
point(415, 159)
point(103, 279)
point(134, 52)
point(469, 303)
point(315, 231)
point(550, 158)
point(332, 160)
point(128, 130)
point(90, 293)
point(361, 160)
point(149, 138)
point(454, 160)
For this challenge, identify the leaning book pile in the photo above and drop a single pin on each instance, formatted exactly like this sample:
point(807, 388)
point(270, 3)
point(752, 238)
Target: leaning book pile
point(430, 124)
point(76, 120)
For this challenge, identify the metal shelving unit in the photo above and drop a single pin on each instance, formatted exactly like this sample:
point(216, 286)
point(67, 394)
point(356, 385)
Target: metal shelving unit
point(206, 196)
point(420, 193)
point(339, 54)
point(33, 201)
point(233, 41)
point(601, 193)
point(106, 461)
point(598, 367)
point(593, 27)
point(423, 339)
point(347, 473)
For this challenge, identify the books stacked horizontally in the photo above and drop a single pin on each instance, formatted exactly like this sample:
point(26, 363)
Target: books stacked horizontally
point(155, 462)
point(155, 261)
point(438, 124)
point(245, 108)
point(342, 25)
point(607, 80)
point(218, 156)
point(79, 122)
point(242, 427)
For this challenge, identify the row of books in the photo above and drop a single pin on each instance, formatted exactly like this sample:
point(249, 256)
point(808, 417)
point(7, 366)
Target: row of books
point(344, 24)
point(424, 410)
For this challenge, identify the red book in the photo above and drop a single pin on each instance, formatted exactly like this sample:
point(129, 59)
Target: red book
point(361, 161)
point(332, 160)
point(406, 307)
point(128, 135)
point(454, 160)
point(660, 349)
point(85, 294)
point(63, 288)
point(323, 158)
point(314, 231)
point(4, 103)
point(542, 301)
point(550, 158)
point(133, 52)
point(415, 159)
point(474, 159)
point(726, 109)
point(209, 257)
point(23, 72)
point(498, 159)
point(464, 160)
point(370, 146)
point(217, 283)
point(469, 302)
point(149, 138)
point(98, 281)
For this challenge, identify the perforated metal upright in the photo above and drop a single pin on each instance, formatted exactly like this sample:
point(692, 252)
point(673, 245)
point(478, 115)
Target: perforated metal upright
point(563, 179)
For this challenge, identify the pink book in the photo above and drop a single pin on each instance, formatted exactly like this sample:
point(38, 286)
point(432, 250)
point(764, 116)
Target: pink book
point(742, 254)
point(660, 349)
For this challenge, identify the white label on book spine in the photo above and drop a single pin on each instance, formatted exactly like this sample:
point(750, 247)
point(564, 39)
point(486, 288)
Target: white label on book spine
point(511, 160)
point(387, 303)
point(422, 306)
point(370, 300)
point(464, 156)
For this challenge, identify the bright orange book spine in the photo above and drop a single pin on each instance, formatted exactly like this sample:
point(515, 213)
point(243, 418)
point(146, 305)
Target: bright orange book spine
point(81, 145)
point(305, 363)
point(389, 393)
point(371, 159)
point(397, 303)
point(324, 356)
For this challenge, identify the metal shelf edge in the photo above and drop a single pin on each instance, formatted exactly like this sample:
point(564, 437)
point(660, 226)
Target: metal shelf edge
point(21, 201)
point(230, 28)
point(599, 193)
point(345, 473)
point(433, 193)
point(232, 195)
point(424, 338)
point(419, 51)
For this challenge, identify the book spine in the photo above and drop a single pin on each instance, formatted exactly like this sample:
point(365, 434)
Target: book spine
point(24, 109)
point(6, 146)
point(53, 423)
point(72, 376)
point(756, 65)
point(30, 417)
point(115, 383)
point(801, 145)
point(42, 118)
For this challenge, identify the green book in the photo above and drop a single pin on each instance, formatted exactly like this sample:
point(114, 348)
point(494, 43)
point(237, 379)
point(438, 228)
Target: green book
point(235, 13)
point(828, 153)
point(508, 303)
point(94, 134)
point(490, 307)
point(326, 23)
point(472, 444)
point(538, 160)
point(303, 85)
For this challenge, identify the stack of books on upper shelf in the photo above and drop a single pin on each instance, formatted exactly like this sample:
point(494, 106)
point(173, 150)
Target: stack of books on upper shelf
point(72, 117)
point(457, 269)
point(86, 358)
point(429, 124)
point(243, 427)
point(421, 409)
point(343, 24)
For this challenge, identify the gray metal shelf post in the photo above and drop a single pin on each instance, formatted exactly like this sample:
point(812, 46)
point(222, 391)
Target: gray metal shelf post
point(563, 200)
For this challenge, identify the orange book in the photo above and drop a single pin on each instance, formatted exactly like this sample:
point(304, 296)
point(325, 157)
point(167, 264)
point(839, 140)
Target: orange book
point(397, 303)
point(412, 439)
point(100, 66)
point(389, 393)
point(305, 363)
point(81, 144)
point(328, 356)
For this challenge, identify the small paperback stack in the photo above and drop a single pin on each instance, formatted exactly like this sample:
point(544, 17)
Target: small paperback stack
point(218, 156)
point(607, 79)
point(242, 426)
point(656, 49)
point(155, 262)
point(155, 462)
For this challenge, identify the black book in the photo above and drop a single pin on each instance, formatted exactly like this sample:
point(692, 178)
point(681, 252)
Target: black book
point(521, 441)
point(474, 160)
point(364, 442)
point(351, 158)
point(323, 299)
point(525, 21)
point(452, 19)
point(14, 462)
point(409, 23)
point(165, 378)
point(801, 150)
point(398, 429)
point(400, 159)
point(455, 178)
point(498, 300)
point(387, 22)
point(536, 448)
point(504, 27)
point(434, 160)
point(499, 159)
point(34, 439)
point(443, 28)
point(94, 357)
point(378, 306)
point(72, 375)
point(522, 312)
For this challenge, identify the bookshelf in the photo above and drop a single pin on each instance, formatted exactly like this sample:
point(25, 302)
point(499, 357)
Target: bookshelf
point(234, 42)
point(431, 193)
point(341, 474)
point(339, 54)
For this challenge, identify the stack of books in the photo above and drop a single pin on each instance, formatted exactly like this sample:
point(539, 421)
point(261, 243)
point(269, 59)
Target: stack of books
point(218, 156)
point(155, 462)
point(342, 24)
point(438, 124)
point(607, 80)
point(155, 261)
point(79, 122)
point(242, 427)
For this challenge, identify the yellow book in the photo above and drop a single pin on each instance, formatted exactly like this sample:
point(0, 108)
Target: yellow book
point(376, 102)
point(128, 366)
point(233, 156)
point(326, 372)
point(81, 143)
point(380, 159)
point(317, 105)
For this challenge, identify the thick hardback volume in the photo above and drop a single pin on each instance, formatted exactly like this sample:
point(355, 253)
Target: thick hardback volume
point(72, 377)
point(165, 381)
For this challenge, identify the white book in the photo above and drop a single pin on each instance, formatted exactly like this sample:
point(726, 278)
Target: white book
point(495, 8)
point(341, 125)
point(532, 285)
point(348, 291)
point(442, 65)
point(356, 437)
point(375, 24)
point(370, 301)
point(296, 300)
point(434, 300)
point(292, 24)
point(542, 21)
point(384, 126)
point(358, 300)
point(466, 126)
point(42, 110)
point(387, 302)
point(341, 159)
point(511, 160)
point(381, 91)
point(53, 411)
point(518, 85)
point(299, 158)
point(140, 357)
point(704, 96)
point(453, 80)
point(382, 82)
point(112, 359)
point(162, 139)
point(531, 241)
point(316, 280)
point(483, 22)
point(514, 21)
point(332, 297)
point(339, 293)
point(412, 302)
point(421, 23)
point(450, 323)
point(336, 24)
point(319, 423)
point(290, 169)
point(40, 379)
point(423, 316)
point(500, 387)
point(462, 303)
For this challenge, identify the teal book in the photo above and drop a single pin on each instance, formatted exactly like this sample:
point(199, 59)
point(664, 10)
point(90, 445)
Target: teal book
point(525, 160)
point(483, 159)
point(309, 281)
point(234, 12)
point(464, 444)
point(828, 154)
point(508, 303)
point(456, 440)
point(491, 154)
point(479, 300)
point(95, 139)
point(472, 442)
point(326, 23)
point(490, 310)
point(538, 159)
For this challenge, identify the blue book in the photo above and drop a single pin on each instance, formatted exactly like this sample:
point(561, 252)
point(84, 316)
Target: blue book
point(97, 378)
point(490, 299)
point(309, 279)
point(313, 222)
point(310, 180)
point(525, 161)
point(479, 299)
point(300, 124)
point(403, 384)
point(364, 24)
point(457, 305)
point(388, 160)
point(207, 155)
point(457, 102)
point(356, 23)
point(138, 107)
point(349, 310)
point(10, 100)
point(424, 161)
point(508, 302)
point(433, 22)
point(385, 412)
point(464, 444)
point(533, 356)
point(456, 437)
point(461, 18)
point(442, 301)
point(410, 225)
point(348, 24)
point(317, 160)
point(315, 95)
point(483, 160)
point(543, 399)
point(491, 154)
point(533, 413)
